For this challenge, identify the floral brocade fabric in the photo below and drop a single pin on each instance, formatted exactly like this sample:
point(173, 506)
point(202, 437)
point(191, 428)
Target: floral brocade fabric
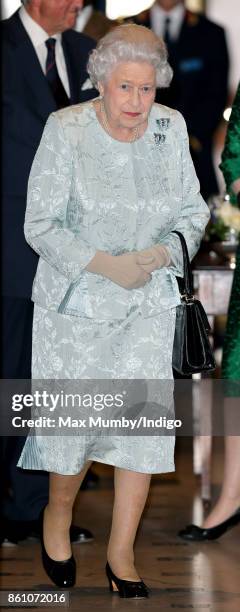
point(67, 348)
point(88, 192)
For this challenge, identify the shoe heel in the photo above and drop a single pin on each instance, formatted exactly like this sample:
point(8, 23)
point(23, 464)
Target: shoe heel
point(126, 588)
point(110, 585)
point(109, 580)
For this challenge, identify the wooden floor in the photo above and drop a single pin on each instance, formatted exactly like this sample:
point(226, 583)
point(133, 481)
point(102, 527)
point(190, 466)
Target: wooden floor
point(181, 576)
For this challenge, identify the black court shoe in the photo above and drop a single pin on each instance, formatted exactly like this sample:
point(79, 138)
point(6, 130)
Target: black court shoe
point(62, 573)
point(193, 533)
point(126, 588)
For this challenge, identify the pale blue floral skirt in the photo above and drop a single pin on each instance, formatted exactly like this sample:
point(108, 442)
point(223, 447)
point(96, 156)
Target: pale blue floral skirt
point(66, 347)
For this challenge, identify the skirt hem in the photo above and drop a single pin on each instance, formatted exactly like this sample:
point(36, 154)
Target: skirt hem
point(170, 468)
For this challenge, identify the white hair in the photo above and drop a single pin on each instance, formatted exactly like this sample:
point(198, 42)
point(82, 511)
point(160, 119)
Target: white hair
point(129, 43)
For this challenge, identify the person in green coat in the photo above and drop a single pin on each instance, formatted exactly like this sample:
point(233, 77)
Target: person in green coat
point(226, 512)
point(230, 167)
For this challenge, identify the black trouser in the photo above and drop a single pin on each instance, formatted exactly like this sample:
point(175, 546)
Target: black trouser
point(25, 491)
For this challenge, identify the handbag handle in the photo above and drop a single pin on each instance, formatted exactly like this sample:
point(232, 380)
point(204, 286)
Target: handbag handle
point(188, 277)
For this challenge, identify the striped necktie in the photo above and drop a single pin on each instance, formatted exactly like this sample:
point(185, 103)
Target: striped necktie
point(52, 75)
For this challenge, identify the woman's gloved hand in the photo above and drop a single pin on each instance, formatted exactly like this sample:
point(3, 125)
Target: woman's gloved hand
point(160, 254)
point(123, 270)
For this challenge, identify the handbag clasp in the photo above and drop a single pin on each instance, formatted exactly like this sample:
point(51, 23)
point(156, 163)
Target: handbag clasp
point(187, 297)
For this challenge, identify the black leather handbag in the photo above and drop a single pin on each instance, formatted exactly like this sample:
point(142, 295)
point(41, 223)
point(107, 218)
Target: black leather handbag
point(192, 350)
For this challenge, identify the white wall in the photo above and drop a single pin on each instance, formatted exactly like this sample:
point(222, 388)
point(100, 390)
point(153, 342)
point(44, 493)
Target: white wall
point(8, 7)
point(126, 8)
point(227, 14)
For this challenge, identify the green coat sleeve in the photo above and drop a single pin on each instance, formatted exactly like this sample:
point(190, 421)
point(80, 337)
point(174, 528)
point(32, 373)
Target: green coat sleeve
point(230, 164)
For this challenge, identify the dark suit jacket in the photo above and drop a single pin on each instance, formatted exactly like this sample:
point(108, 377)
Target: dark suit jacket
point(27, 103)
point(199, 59)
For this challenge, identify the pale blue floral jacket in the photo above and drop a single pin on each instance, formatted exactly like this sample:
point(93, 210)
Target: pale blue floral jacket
point(89, 192)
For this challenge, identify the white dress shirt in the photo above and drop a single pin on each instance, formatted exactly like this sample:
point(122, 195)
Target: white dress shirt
point(38, 37)
point(158, 17)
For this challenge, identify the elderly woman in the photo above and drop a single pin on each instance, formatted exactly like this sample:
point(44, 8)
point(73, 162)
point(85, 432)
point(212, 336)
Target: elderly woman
point(111, 179)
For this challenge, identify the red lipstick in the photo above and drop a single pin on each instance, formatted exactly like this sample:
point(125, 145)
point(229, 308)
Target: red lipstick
point(132, 114)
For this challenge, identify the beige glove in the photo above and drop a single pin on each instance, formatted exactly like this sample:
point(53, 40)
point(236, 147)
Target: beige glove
point(122, 269)
point(161, 257)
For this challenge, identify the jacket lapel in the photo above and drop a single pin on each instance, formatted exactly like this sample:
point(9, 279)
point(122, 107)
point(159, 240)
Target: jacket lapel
point(183, 31)
point(72, 70)
point(30, 68)
point(36, 80)
point(76, 59)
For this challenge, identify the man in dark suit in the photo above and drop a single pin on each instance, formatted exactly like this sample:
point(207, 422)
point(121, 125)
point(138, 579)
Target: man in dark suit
point(44, 69)
point(199, 58)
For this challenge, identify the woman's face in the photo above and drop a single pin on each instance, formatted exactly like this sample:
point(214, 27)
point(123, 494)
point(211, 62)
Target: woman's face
point(129, 94)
